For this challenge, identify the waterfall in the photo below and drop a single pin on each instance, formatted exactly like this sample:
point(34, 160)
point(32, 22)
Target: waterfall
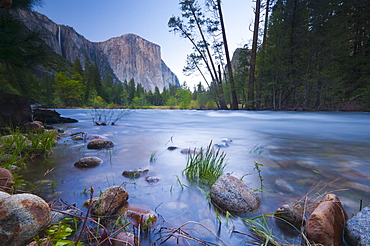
point(59, 41)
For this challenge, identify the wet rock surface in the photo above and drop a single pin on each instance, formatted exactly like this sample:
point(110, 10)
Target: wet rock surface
point(135, 173)
point(57, 217)
point(152, 179)
point(231, 194)
point(100, 144)
point(110, 201)
point(22, 217)
point(88, 162)
point(139, 216)
point(326, 223)
point(358, 228)
point(50, 116)
point(287, 214)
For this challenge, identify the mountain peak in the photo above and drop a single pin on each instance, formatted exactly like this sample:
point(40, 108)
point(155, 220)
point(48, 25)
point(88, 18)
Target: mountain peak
point(126, 57)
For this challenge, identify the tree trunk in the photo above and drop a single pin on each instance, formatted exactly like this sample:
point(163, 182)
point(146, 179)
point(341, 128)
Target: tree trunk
point(253, 56)
point(234, 99)
point(260, 74)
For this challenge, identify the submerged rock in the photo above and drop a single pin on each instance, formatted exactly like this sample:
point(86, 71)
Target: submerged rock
point(326, 223)
point(357, 231)
point(87, 162)
point(22, 217)
point(139, 216)
point(221, 145)
point(152, 179)
point(124, 239)
point(188, 151)
point(284, 185)
point(100, 144)
point(231, 194)
point(134, 173)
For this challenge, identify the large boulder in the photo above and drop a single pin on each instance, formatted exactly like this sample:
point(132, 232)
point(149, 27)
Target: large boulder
point(50, 116)
point(231, 194)
point(357, 231)
point(110, 201)
point(22, 217)
point(326, 223)
point(14, 110)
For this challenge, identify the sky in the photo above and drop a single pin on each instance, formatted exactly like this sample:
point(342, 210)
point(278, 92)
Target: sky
point(101, 20)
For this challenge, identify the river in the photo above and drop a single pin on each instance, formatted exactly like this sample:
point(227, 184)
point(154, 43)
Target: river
point(300, 152)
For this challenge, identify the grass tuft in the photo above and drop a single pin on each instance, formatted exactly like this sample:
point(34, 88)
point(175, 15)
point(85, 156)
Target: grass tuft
point(205, 166)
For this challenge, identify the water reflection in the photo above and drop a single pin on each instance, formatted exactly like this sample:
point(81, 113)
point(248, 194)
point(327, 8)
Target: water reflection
point(298, 150)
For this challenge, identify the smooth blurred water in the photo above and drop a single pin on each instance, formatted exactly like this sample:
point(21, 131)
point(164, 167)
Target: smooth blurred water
point(298, 150)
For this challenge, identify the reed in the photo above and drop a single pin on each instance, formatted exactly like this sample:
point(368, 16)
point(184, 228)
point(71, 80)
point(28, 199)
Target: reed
point(17, 147)
point(205, 166)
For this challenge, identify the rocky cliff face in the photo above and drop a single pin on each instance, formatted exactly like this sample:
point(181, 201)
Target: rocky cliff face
point(125, 57)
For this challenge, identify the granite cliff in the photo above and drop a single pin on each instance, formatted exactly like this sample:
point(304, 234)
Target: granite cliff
point(125, 57)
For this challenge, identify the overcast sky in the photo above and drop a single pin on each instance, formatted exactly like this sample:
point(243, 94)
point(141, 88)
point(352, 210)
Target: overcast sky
point(101, 20)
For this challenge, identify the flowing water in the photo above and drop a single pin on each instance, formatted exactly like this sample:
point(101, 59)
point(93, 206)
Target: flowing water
point(300, 151)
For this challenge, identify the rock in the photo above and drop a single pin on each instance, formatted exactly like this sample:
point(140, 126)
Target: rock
point(231, 194)
point(357, 232)
point(35, 126)
point(92, 137)
point(221, 145)
point(226, 140)
point(22, 217)
point(172, 147)
point(110, 201)
point(326, 223)
point(152, 179)
point(50, 116)
point(139, 216)
point(44, 243)
point(135, 173)
point(14, 110)
point(56, 217)
point(100, 144)
point(124, 239)
point(6, 180)
point(188, 151)
point(288, 214)
point(87, 162)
